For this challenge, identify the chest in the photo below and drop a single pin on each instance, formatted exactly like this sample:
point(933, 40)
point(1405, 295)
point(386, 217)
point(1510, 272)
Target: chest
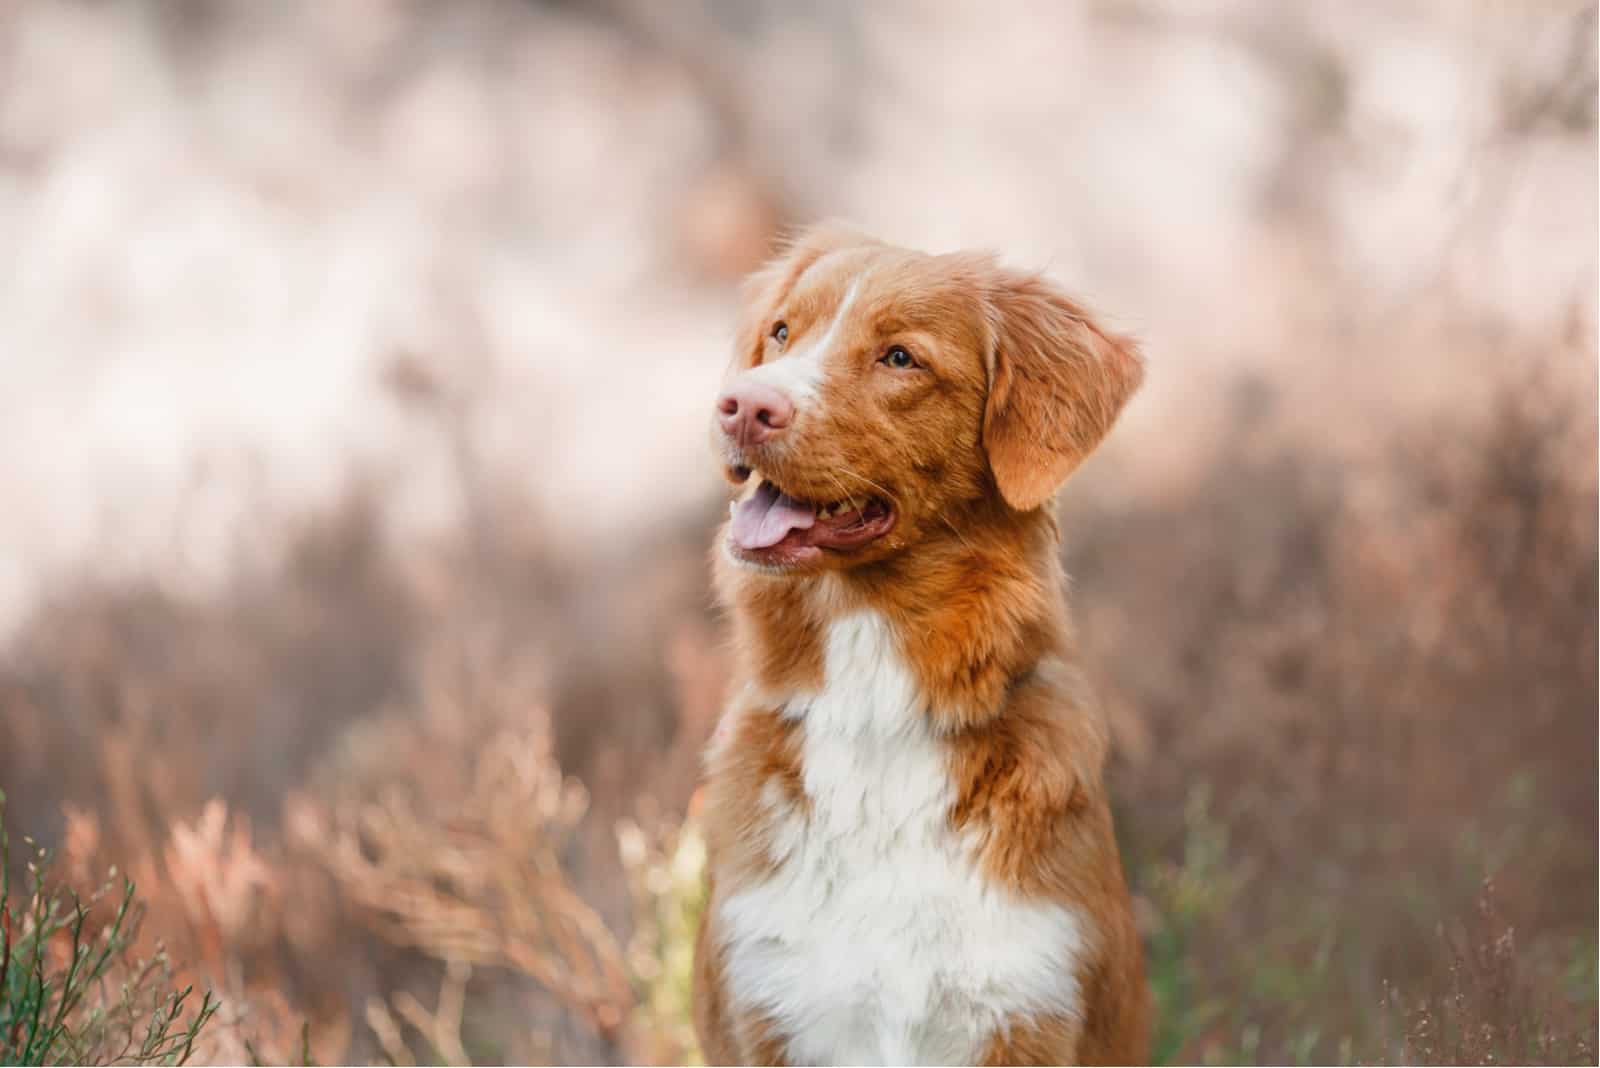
point(877, 938)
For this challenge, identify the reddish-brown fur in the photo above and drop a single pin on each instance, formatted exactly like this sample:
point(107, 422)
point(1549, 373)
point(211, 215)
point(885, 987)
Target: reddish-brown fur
point(1017, 386)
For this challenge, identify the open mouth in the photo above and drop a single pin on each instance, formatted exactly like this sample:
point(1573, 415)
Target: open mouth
point(773, 528)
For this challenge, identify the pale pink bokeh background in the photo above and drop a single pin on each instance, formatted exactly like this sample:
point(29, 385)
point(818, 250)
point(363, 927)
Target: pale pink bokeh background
point(218, 229)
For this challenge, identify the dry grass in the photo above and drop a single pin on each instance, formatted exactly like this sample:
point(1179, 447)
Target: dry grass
point(1355, 695)
point(1490, 1012)
point(426, 854)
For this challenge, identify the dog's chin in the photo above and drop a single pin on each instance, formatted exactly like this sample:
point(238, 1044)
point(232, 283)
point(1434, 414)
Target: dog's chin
point(779, 559)
point(775, 532)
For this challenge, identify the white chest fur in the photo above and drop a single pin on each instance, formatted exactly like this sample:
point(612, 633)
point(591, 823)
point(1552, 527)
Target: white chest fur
point(877, 940)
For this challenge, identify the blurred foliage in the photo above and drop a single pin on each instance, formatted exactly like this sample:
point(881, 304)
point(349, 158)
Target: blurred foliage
point(1352, 715)
point(401, 796)
point(667, 875)
point(1343, 717)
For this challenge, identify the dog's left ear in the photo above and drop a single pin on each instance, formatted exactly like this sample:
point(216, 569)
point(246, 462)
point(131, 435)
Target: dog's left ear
point(1057, 382)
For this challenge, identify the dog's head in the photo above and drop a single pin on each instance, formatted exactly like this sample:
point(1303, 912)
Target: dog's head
point(876, 391)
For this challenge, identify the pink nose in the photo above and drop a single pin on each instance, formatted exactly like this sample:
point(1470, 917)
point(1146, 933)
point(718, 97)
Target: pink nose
point(751, 412)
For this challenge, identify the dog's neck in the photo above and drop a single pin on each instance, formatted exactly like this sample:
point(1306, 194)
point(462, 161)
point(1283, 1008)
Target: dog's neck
point(973, 609)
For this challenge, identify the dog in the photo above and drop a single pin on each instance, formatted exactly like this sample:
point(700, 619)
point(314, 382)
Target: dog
point(910, 856)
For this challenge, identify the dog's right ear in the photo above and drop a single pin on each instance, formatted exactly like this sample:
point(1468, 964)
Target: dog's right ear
point(1057, 381)
point(766, 288)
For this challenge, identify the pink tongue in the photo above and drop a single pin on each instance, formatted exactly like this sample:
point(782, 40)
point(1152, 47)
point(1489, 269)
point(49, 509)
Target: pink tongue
point(766, 516)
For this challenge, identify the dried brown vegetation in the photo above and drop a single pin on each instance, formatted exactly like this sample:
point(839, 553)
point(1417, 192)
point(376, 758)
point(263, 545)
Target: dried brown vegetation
point(1345, 697)
point(1345, 709)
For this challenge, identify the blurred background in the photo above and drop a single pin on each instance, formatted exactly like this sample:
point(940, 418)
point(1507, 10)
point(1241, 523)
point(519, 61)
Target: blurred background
point(356, 361)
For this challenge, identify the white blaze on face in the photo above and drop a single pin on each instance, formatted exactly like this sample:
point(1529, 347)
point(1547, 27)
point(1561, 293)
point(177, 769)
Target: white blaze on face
point(799, 372)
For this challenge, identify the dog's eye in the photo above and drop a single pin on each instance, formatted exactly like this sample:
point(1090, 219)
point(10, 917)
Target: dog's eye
point(899, 359)
point(780, 332)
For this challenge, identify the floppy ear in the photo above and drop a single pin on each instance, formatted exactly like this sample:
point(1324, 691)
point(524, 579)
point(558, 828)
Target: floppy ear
point(1057, 382)
point(768, 286)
